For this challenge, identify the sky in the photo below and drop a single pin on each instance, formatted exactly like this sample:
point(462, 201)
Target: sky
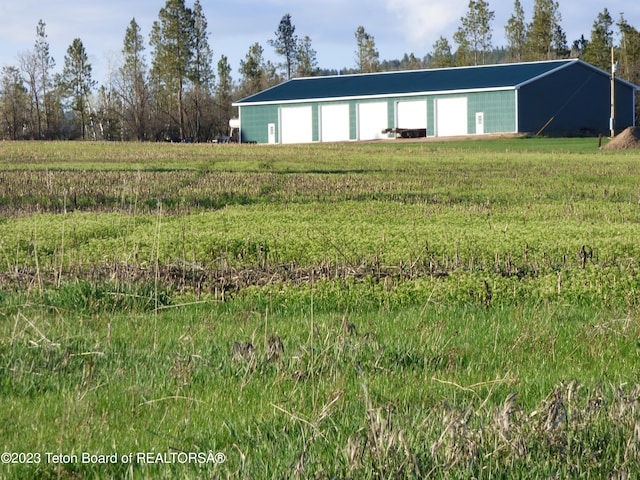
point(398, 26)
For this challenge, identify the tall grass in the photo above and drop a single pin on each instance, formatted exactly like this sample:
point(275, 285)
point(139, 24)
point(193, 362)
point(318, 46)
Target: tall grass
point(420, 391)
point(353, 311)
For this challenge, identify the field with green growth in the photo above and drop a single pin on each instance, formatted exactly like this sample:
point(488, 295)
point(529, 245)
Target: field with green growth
point(385, 310)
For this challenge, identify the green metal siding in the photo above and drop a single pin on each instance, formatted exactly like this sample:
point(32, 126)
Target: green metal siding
point(499, 110)
point(353, 124)
point(431, 116)
point(315, 125)
point(573, 99)
point(391, 115)
point(254, 121)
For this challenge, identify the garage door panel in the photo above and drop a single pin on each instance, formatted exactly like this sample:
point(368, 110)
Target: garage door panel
point(451, 116)
point(372, 120)
point(296, 125)
point(334, 123)
point(412, 114)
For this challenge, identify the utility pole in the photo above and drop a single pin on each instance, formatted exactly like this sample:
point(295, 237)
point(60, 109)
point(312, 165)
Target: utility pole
point(612, 120)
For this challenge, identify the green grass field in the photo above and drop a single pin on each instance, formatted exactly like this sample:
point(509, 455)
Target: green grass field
point(384, 310)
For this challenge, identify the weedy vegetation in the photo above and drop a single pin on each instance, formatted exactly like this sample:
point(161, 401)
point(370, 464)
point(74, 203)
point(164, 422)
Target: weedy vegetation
point(385, 310)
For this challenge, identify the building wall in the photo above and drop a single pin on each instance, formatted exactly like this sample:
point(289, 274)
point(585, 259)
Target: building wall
point(499, 110)
point(254, 121)
point(498, 107)
point(576, 98)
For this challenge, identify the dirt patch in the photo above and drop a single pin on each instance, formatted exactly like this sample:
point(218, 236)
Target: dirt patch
point(219, 281)
point(629, 138)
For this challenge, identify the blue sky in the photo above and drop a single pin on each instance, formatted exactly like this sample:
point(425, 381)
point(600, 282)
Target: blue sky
point(399, 26)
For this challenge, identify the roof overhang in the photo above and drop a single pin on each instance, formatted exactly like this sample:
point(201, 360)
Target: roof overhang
point(373, 97)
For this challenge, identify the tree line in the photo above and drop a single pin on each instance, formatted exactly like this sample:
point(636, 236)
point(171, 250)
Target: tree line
point(167, 89)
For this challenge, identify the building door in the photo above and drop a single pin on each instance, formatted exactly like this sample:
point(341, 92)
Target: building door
point(272, 133)
point(451, 116)
point(479, 123)
point(334, 123)
point(296, 125)
point(372, 120)
point(411, 114)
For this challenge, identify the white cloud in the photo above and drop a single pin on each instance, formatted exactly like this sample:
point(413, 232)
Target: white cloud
point(423, 22)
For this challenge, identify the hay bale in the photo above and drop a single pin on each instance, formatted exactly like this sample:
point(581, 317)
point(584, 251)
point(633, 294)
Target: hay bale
point(629, 138)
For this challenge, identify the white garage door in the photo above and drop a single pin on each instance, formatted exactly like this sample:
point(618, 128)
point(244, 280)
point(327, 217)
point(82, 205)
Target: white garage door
point(296, 125)
point(412, 114)
point(334, 123)
point(451, 116)
point(372, 119)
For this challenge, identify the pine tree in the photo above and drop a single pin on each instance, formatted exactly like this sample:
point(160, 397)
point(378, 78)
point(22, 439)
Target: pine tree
point(77, 84)
point(545, 38)
point(410, 62)
point(629, 53)
point(252, 69)
point(37, 68)
point(442, 57)
point(516, 33)
point(598, 51)
point(286, 44)
point(14, 104)
point(463, 55)
point(223, 95)
point(202, 75)
point(559, 45)
point(45, 64)
point(579, 47)
point(173, 38)
point(475, 30)
point(367, 56)
point(307, 61)
point(133, 89)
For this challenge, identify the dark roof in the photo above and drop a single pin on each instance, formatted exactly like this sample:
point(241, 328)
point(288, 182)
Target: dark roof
point(406, 82)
